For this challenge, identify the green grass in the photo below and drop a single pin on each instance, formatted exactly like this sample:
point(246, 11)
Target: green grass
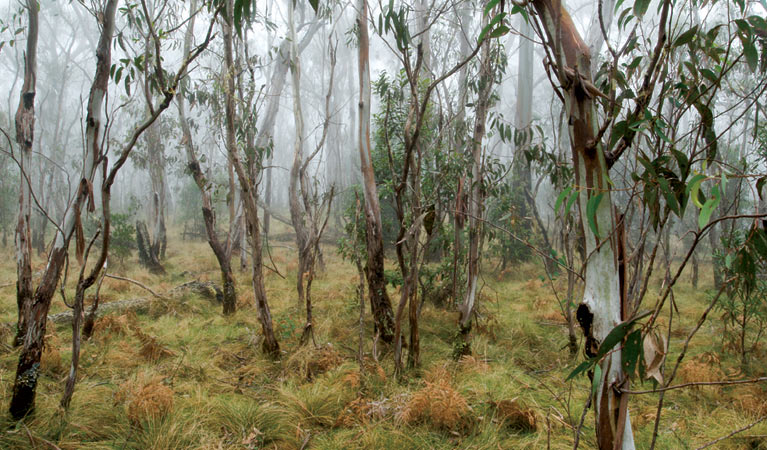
point(227, 395)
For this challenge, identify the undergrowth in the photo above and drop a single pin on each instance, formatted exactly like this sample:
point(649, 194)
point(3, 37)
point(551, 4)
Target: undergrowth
point(183, 376)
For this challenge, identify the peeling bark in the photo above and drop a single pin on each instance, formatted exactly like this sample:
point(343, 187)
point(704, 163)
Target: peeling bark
point(602, 307)
point(476, 197)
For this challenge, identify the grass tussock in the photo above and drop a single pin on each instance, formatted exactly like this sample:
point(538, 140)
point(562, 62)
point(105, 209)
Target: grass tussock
point(438, 405)
point(146, 399)
point(515, 415)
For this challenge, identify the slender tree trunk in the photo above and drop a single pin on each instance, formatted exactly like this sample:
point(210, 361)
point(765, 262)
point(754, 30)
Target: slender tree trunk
point(249, 194)
point(25, 133)
point(458, 143)
point(222, 250)
point(374, 269)
point(476, 200)
point(297, 213)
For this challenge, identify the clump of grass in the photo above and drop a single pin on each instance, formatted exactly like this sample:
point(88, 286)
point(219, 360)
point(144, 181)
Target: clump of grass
point(151, 349)
point(50, 360)
point(515, 415)
point(253, 423)
point(473, 363)
point(438, 405)
point(111, 325)
point(318, 403)
point(702, 368)
point(752, 400)
point(311, 362)
point(146, 399)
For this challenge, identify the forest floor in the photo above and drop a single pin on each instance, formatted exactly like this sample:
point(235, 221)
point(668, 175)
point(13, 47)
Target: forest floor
point(181, 375)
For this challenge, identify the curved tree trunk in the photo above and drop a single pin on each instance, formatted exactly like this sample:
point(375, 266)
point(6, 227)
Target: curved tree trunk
point(27, 371)
point(222, 250)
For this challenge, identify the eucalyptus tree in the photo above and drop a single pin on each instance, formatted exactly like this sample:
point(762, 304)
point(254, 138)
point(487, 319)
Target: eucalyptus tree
point(413, 211)
point(221, 249)
point(308, 213)
point(248, 175)
point(374, 267)
point(634, 81)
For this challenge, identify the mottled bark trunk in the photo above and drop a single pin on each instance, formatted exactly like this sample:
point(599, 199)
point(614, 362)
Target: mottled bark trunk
point(374, 268)
point(157, 163)
point(25, 133)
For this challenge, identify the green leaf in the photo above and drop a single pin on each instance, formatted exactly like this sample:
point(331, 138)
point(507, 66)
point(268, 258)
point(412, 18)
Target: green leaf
point(596, 380)
point(760, 184)
point(752, 56)
point(591, 212)
point(614, 337)
point(570, 202)
point(490, 5)
point(693, 188)
point(682, 161)
point(561, 197)
point(708, 207)
point(671, 201)
point(640, 7)
point(493, 22)
point(582, 367)
point(686, 37)
point(630, 355)
point(498, 32)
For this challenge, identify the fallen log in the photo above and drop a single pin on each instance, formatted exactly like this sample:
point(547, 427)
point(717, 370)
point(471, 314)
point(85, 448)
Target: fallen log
point(139, 305)
point(205, 289)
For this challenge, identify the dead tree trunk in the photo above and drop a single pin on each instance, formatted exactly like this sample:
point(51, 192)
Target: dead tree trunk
point(25, 133)
point(374, 269)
